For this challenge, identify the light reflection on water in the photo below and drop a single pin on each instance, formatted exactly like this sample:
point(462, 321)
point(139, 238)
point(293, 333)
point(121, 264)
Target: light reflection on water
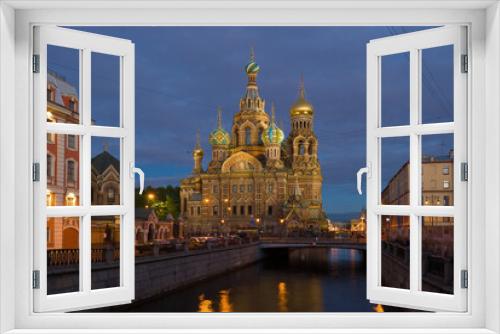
point(307, 280)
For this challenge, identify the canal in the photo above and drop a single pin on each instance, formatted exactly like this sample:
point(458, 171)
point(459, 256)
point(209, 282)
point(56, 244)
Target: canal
point(300, 280)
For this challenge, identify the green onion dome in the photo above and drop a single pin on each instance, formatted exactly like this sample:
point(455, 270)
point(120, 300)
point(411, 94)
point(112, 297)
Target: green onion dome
point(252, 68)
point(219, 136)
point(273, 134)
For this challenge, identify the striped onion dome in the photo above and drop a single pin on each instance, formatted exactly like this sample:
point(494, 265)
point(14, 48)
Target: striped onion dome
point(273, 134)
point(252, 67)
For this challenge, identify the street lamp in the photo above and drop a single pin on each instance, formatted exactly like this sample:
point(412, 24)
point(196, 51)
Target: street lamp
point(151, 196)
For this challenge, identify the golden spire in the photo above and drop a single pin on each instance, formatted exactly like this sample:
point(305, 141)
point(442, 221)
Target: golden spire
point(273, 113)
point(197, 146)
point(219, 117)
point(301, 87)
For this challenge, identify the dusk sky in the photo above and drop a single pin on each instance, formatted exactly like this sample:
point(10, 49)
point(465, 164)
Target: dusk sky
point(184, 73)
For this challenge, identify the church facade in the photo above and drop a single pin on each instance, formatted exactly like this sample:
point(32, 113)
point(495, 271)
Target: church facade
point(257, 178)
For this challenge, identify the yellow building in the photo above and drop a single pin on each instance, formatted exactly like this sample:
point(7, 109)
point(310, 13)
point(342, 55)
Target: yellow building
point(256, 177)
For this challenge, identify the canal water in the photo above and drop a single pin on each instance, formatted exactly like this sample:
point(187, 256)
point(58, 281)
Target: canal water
point(304, 280)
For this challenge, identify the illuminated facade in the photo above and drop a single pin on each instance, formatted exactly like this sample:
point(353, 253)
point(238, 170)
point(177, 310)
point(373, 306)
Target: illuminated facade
point(256, 177)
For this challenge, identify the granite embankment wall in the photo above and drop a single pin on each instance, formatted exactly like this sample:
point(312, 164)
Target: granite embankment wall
point(155, 275)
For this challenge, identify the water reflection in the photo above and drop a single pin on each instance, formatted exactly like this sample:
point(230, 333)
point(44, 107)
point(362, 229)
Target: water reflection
point(302, 280)
point(282, 297)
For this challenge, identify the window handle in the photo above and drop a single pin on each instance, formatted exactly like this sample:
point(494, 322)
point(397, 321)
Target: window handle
point(134, 170)
point(359, 175)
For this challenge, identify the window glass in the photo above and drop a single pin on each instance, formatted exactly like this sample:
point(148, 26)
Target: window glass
point(105, 89)
point(63, 84)
point(395, 90)
point(105, 171)
point(395, 251)
point(395, 167)
point(105, 251)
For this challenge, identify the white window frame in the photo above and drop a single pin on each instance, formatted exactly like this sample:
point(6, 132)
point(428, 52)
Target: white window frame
point(413, 44)
point(16, 19)
point(85, 44)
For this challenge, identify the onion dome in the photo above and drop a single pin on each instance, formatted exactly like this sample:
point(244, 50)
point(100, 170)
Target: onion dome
point(198, 151)
point(219, 136)
point(301, 106)
point(273, 134)
point(252, 67)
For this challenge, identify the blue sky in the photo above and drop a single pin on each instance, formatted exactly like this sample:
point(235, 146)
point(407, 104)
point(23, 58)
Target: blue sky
point(184, 73)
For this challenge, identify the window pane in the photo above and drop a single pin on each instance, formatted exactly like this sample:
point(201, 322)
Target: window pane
point(63, 80)
point(105, 178)
point(437, 254)
point(395, 170)
point(63, 248)
point(63, 166)
point(437, 170)
point(105, 89)
point(395, 94)
point(396, 251)
point(105, 238)
point(437, 84)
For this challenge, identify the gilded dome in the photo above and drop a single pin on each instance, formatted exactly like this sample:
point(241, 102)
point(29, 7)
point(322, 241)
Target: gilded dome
point(219, 136)
point(301, 107)
point(273, 134)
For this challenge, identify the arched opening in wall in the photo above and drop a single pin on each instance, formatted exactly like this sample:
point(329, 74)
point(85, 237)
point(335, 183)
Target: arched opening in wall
point(312, 146)
point(259, 139)
point(302, 148)
point(184, 206)
point(139, 236)
point(151, 233)
point(236, 137)
point(70, 238)
point(248, 136)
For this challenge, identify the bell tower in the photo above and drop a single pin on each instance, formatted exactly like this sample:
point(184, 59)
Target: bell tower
point(302, 142)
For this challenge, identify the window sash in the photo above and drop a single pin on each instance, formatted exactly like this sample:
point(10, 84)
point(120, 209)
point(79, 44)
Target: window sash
point(86, 43)
point(414, 297)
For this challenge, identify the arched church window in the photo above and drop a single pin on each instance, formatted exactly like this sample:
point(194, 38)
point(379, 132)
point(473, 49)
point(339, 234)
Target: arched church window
point(236, 136)
point(248, 137)
point(260, 135)
point(301, 148)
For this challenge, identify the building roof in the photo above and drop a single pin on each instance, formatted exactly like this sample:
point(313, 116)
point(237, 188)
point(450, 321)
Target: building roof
point(102, 161)
point(63, 88)
point(143, 213)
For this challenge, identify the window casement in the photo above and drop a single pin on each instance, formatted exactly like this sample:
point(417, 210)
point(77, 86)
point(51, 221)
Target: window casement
point(399, 214)
point(425, 16)
point(92, 225)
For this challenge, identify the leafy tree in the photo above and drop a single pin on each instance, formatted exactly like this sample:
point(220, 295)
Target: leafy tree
point(164, 200)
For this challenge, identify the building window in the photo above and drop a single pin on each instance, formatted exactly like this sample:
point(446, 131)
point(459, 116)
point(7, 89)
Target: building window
point(71, 177)
point(270, 210)
point(215, 210)
point(49, 166)
point(198, 210)
point(192, 211)
point(215, 189)
point(248, 136)
point(234, 210)
point(72, 142)
point(270, 188)
point(242, 210)
point(250, 188)
point(260, 136)
point(72, 105)
point(242, 188)
point(235, 188)
point(446, 184)
point(250, 210)
point(111, 195)
point(446, 170)
point(446, 201)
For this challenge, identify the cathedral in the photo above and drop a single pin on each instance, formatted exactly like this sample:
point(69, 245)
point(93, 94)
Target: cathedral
point(256, 177)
